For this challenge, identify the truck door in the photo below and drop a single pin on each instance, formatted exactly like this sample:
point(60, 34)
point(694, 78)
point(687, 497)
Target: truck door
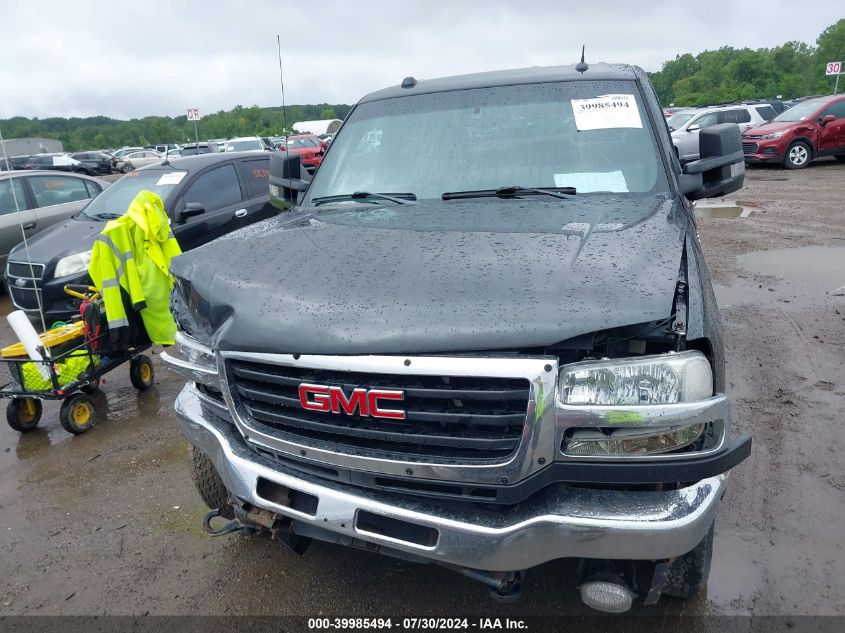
point(832, 135)
point(218, 192)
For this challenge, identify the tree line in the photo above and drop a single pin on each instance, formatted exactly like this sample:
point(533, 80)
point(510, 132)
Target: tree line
point(101, 132)
point(794, 69)
point(791, 70)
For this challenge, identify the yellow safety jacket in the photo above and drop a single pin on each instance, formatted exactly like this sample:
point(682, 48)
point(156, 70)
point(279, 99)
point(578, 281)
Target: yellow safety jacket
point(134, 253)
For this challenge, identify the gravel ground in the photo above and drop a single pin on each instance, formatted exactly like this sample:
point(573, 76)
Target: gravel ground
point(109, 523)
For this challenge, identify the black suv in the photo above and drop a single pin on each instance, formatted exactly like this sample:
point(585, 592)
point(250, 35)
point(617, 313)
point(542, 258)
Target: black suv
point(206, 196)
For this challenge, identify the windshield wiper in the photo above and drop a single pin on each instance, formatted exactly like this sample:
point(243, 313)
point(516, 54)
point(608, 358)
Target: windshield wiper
point(511, 191)
point(398, 198)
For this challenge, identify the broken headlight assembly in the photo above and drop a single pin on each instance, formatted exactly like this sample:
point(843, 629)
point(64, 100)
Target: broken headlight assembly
point(630, 395)
point(192, 359)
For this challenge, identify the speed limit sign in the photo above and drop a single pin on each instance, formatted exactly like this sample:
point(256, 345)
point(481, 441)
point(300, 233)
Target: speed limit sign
point(833, 68)
point(193, 114)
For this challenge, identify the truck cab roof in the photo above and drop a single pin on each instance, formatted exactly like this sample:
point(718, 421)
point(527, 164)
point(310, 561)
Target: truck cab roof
point(533, 75)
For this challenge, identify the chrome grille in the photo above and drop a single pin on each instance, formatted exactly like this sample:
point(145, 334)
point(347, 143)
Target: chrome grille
point(22, 269)
point(446, 416)
point(24, 298)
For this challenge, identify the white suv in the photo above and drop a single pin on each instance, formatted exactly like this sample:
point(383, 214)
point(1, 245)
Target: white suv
point(686, 124)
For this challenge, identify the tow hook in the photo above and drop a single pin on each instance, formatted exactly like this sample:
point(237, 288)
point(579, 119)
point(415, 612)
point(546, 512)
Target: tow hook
point(230, 526)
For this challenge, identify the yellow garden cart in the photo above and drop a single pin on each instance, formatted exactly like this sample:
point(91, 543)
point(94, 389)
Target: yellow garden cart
point(75, 358)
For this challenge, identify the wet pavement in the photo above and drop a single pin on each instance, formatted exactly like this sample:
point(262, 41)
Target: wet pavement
point(109, 523)
point(721, 208)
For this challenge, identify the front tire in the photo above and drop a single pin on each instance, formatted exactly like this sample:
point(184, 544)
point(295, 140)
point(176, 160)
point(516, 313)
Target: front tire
point(141, 372)
point(688, 573)
point(77, 414)
point(798, 155)
point(209, 485)
point(23, 414)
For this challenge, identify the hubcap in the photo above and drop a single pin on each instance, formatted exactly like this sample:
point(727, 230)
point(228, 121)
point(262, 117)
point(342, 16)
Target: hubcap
point(146, 373)
point(28, 411)
point(798, 155)
point(81, 414)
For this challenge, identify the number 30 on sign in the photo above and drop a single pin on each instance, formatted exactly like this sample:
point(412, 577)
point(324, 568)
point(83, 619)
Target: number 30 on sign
point(833, 68)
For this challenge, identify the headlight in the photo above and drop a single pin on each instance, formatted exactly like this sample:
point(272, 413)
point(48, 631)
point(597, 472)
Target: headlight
point(73, 264)
point(630, 441)
point(192, 359)
point(647, 380)
point(773, 135)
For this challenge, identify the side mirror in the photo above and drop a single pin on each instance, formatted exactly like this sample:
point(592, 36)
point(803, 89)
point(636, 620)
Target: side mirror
point(721, 168)
point(288, 178)
point(827, 119)
point(693, 127)
point(191, 209)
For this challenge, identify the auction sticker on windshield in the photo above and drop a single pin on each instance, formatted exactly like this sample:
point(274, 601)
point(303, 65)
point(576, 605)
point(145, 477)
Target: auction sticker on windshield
point(172, 178)
point(605, 112)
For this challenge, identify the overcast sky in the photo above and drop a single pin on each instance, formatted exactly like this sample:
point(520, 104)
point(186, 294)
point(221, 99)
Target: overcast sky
point(134, 59)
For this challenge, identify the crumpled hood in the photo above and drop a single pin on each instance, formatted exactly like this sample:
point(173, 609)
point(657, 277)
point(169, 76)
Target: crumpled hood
point(414, 279)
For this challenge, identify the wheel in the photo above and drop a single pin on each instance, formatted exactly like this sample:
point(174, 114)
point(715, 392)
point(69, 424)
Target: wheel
point(141, 372)
point(92, 387)
point(209, 484)
point(688, 574)
point(77, 414)
point(126, 169)
point(797, 155)
point(23, 414)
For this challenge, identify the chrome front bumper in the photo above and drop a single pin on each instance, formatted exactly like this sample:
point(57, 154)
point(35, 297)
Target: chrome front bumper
point(558, 522)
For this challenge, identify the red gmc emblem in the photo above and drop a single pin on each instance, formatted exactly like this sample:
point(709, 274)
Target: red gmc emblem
point(366, 402)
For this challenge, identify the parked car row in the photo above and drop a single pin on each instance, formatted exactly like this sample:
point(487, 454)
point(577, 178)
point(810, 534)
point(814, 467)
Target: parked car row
point(811, 129)
point(686, 124)
point(791, 133)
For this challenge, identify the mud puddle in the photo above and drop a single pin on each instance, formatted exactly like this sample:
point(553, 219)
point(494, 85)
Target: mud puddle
point(803, 276)
point(811, 268)
point(722, 209)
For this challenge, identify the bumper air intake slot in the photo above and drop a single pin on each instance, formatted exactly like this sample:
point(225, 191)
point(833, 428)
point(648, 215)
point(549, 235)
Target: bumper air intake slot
point(396, 529)
point(287, 497)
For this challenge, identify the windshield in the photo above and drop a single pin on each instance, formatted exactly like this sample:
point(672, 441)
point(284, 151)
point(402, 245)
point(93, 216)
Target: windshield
point(676, 121)
point(799, 112)
point(114, 200)
point(242, 146)
point(525, 135)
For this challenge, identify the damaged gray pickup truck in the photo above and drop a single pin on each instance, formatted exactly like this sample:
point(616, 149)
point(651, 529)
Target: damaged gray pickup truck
point(483, 336)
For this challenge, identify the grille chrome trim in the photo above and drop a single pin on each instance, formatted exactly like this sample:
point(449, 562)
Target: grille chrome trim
point(538, 429)
point(25, 272)
point(24, 301)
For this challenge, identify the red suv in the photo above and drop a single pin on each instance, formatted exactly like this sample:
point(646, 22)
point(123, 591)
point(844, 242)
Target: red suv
point(309, 147)
point(807, 130)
